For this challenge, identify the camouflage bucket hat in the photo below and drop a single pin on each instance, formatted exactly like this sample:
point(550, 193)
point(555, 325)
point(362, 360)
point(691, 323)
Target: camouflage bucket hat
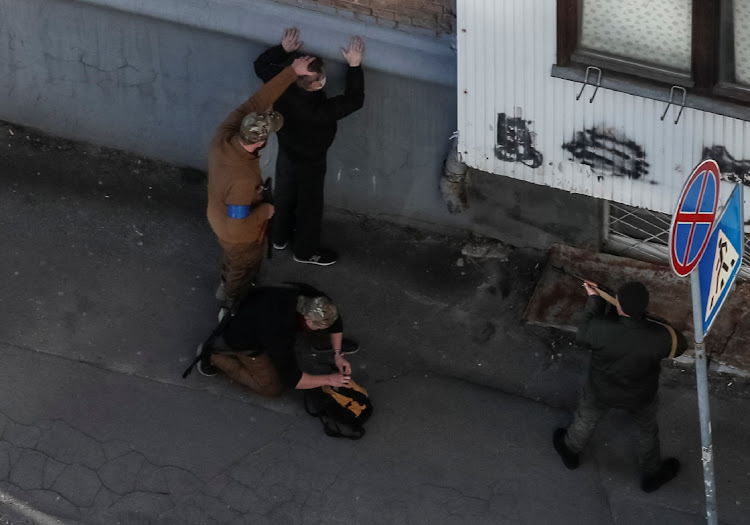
point(256, 127)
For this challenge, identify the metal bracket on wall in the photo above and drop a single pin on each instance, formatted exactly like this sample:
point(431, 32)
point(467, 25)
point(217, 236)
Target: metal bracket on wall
point(682, 104)
point(586, 81)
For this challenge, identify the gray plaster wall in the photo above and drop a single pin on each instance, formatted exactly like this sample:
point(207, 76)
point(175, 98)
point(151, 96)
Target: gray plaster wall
point(156, 78)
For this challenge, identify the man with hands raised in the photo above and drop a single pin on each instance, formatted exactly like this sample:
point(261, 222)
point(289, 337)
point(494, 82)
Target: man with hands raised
point(310, 124)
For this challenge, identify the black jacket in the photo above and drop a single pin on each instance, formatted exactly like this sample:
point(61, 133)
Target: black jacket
point(626, 355)
point(309, 116)
point(267, 321)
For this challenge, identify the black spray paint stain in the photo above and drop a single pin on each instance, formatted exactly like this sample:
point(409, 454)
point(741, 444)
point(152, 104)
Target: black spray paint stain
point(732, 170)
point(608, 152)
point(514, 142)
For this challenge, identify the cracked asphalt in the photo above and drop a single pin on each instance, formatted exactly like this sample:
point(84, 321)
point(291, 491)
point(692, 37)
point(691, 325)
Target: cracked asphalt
point(109, 270)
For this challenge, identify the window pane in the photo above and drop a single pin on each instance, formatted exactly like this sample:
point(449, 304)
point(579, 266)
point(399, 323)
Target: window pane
point(742, 41)
point(653, 31)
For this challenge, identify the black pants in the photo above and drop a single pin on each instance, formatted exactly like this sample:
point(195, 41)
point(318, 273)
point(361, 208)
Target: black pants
point(298, 201)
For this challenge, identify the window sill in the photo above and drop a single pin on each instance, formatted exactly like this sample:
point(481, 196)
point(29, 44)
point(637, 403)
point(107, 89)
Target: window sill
point(654, 91)
point(733, 90)
point(582, 58)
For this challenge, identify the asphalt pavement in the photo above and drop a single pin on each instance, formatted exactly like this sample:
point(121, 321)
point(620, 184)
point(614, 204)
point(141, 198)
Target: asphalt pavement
point(109, 274)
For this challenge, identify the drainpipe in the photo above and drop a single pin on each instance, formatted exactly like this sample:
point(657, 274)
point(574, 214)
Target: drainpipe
point(454, 180)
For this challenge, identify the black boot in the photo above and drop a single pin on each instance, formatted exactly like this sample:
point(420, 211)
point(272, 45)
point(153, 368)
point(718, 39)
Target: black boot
point(570, 458)
point(667, 471)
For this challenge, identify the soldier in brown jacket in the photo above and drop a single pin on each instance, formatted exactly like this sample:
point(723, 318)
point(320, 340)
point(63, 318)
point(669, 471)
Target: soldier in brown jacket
point(236, 211)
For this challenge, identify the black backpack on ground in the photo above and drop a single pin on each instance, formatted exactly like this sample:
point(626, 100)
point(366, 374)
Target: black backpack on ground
point(343, 411)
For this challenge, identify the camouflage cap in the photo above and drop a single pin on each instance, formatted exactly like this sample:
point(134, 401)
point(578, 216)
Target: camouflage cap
point(320, 310)
point(256, 127)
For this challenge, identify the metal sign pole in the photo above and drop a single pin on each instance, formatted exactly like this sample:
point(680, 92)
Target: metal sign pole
point(704, 411)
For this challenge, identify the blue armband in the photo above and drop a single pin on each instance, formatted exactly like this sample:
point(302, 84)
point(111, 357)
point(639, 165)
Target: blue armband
point(238, 212)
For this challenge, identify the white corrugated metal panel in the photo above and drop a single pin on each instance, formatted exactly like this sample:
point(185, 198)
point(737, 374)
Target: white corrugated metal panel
point(506, 49)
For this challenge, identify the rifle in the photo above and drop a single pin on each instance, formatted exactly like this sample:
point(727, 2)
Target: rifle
point(610, 297)
point(604, 293)
point(268, 198)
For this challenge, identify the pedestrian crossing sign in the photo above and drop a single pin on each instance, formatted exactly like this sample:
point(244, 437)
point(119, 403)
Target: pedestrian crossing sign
point(726, 259)
point(721, 261)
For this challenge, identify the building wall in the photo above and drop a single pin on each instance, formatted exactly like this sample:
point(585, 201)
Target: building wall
point(155, 78)
point(517, 120)
point(158, 85)
point(438, 16)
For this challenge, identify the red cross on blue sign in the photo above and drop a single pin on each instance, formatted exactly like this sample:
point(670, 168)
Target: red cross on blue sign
point(694, 218)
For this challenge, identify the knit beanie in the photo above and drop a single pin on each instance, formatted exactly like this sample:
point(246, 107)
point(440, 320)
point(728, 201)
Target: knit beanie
point(633, 298)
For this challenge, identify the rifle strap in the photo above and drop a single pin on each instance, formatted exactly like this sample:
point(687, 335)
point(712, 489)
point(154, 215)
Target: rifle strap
point(672, 334)
point(268, 198)
point(607, 297)
point(189, 369)
point(613, 300)
point(207, 343)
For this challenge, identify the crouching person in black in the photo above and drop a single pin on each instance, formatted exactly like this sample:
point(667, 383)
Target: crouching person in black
point(280, 337)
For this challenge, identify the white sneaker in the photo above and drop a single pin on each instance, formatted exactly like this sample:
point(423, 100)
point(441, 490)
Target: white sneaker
point(223, 311)
point(209, 370)
point(323, 257)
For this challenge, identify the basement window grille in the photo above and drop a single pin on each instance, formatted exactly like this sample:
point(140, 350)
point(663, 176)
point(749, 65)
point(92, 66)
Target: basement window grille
point(644, 234)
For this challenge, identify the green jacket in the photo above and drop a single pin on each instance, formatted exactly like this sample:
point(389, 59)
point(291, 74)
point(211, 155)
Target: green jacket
point(626, 355)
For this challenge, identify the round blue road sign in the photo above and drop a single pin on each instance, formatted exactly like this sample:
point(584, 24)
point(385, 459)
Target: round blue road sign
point(694, 218)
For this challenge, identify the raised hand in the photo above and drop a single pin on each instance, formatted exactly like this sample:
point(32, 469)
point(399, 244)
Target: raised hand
point(591, 287)
point(300, 66)
point(290, 39)
point(353, 55)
